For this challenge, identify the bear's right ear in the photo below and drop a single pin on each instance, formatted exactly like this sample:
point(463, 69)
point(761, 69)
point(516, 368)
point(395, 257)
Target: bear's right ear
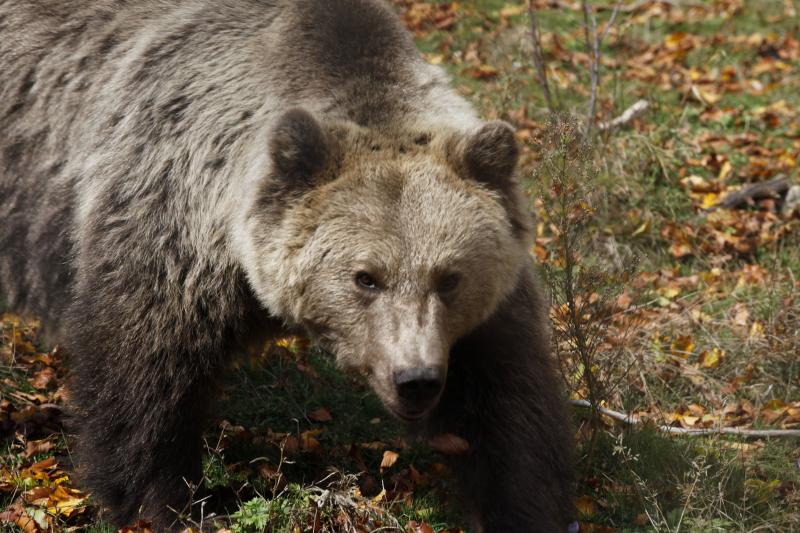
point(299, 146)
point(489, 155)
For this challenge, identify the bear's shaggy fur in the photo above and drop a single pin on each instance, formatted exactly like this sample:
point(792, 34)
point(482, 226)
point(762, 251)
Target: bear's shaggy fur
point(181, 179)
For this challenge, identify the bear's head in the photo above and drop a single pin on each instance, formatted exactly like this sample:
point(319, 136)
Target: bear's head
point(387, 248)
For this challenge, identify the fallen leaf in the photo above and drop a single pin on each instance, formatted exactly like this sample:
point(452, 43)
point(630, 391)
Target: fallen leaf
point(585, 505)
point(414, 527)
point(320, 415)
point(141, 526)
point(483, 72)
point(66, 502)
point(34, 447)
point(448, 444)
point(308, 441)
point(389, 459)
point(44, 378)
point(711, 358)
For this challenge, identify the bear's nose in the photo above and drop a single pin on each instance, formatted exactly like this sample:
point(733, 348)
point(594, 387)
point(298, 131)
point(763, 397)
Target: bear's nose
point(419, 387)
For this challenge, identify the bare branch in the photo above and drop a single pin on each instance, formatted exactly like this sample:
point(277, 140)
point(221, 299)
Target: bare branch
point(639, 107)
point(639, 4)
point(611, 20)
point(593, 47)
point(635, 420)
point(538, 56)
point(774, 188)
point(593, 42)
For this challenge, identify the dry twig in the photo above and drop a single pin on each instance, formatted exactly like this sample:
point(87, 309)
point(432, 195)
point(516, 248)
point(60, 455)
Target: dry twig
point(740, 432)
point(774, 188)
point(593, 42)
point(538, 57)
point(629, 114)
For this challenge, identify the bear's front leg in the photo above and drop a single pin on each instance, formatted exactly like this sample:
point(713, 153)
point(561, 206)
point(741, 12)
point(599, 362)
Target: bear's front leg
point(140, 386)
point(503, 397)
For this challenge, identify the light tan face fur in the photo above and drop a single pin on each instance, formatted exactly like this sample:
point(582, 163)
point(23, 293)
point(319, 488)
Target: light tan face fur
point(413, 227)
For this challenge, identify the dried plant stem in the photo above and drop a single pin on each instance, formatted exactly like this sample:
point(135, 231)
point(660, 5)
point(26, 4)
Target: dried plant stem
point(593, 47)
point(639, 107)
point(538, 56)
point(593, 42)
point(635, 420)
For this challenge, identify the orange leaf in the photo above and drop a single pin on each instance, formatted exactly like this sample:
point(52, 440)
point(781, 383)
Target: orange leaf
point(141, 526)
point(44, 378)
point(585, 505)
point(389, 459)
point(320, 415)
point(414, 527)
point(34, 447)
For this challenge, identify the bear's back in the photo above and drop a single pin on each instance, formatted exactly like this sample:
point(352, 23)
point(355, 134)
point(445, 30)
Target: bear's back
point(127, 123)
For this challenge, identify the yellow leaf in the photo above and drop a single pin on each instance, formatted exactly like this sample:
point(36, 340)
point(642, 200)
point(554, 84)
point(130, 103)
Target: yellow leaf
point(669, 292)
point(725, 171)
point(512, 10)
point(674, 40)
point(585, 505)
point(711, 358)
point(641, 229)
point(682, 346)
point(689, 421)
point(787, 160)
point(434, 59)
point(705, 96)
point(710, 200)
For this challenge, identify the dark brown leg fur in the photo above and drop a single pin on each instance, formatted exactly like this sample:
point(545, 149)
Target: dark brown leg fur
point(139, 432)
point(502, 395)
point(143, 373)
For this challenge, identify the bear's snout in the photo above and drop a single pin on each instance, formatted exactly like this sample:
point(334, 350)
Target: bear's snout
point(418, 389)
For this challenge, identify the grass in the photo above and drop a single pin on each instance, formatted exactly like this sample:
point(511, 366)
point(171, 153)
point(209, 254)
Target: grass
point(274, 463)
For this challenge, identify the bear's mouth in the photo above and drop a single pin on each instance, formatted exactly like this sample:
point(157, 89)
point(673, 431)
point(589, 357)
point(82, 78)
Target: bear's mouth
point(410, 416)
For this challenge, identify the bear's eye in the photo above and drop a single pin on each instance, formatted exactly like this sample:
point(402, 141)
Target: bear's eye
point(365, 281)
point(449, 282)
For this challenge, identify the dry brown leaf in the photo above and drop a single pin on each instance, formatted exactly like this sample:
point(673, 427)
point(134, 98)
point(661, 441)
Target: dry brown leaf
point(414, 527)
point(389, 459)
point(44, 379)
point(308, 441)
point(142, 526)
point(320, 415)
point(33, 447)
point(483, 72)
point(448, 444)
point(11, 514)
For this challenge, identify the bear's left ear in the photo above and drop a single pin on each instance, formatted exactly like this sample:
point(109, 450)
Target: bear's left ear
point(490, 155)
point(300, 147)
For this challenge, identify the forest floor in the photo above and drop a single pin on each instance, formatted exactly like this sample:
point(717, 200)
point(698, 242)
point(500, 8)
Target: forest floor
point(691, 306)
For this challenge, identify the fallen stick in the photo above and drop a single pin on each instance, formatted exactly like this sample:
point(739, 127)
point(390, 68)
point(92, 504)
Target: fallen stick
point(635, 6)
point(774, 188)
point(747, 433)
point(629, 114)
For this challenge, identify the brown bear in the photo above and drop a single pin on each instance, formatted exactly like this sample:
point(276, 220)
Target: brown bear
point(179, 179)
